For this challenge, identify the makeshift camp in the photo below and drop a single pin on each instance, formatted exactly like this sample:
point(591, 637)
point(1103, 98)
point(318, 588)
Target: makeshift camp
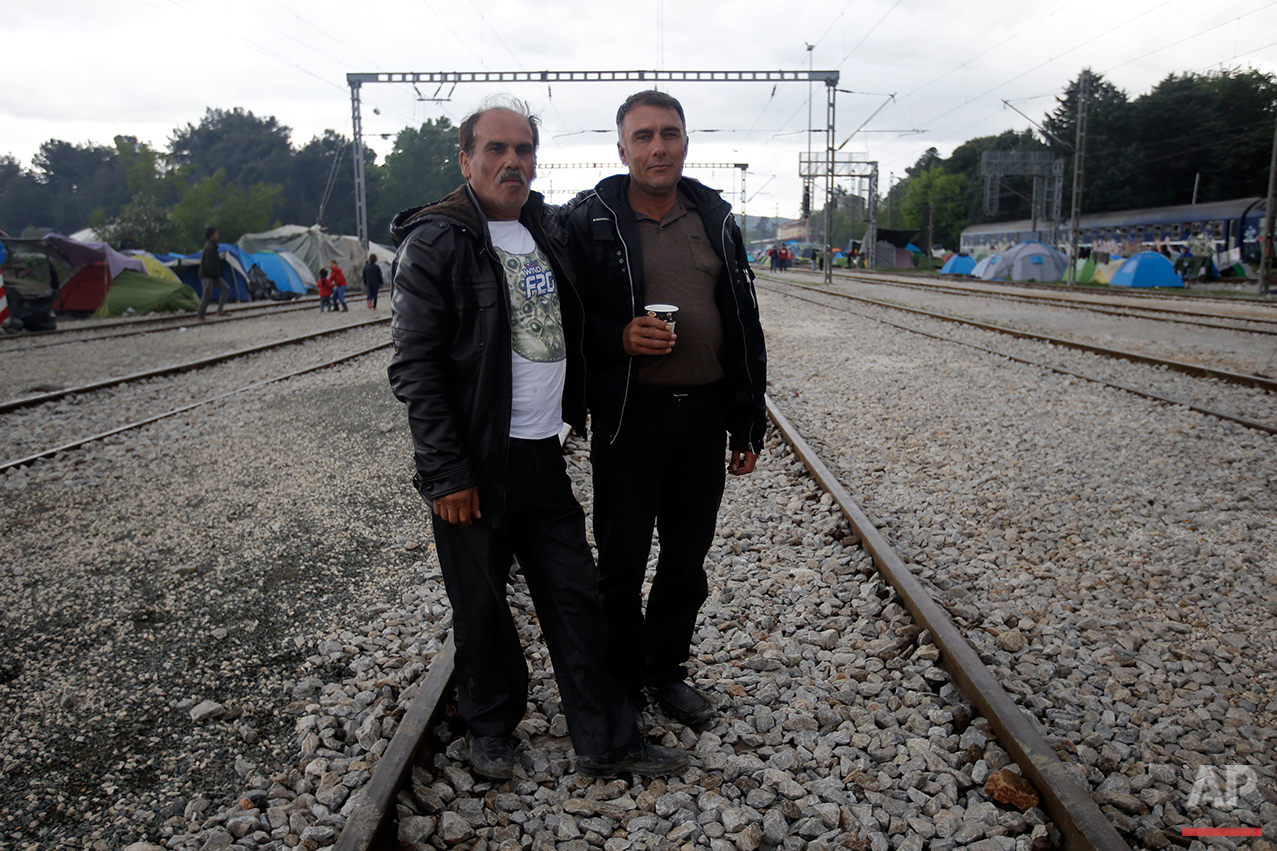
point(1146, 269)
point(958, 264)
point(281, 273)
point(316, 249)
point(1028, 261)
point(146, 294)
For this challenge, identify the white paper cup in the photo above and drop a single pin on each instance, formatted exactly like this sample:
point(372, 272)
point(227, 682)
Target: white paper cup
point(667, 313)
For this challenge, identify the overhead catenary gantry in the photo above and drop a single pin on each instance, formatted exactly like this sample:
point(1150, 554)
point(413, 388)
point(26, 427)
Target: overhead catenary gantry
point(653, 78)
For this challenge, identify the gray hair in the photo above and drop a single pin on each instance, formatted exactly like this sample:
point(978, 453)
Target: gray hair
point(498, 101)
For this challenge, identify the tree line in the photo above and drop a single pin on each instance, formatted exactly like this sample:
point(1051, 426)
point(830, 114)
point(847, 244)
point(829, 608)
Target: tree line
point(233, 169)
point(1207, 133)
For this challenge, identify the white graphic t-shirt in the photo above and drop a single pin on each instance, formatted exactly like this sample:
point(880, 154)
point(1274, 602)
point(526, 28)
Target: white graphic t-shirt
point(538, 357)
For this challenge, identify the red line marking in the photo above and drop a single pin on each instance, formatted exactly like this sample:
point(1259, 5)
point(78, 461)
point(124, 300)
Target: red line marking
point(1222, 831)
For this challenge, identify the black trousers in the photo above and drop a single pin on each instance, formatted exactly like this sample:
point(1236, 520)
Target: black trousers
point(665, 470)
point(544, 528)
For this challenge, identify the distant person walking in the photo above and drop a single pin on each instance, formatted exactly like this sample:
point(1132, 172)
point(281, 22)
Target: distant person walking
point(338, 277)
point(211, 275)
point(372, 280)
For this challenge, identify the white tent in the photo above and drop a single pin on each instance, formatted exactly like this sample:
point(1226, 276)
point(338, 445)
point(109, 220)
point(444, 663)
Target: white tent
point(316, 249)
point(1028, 261)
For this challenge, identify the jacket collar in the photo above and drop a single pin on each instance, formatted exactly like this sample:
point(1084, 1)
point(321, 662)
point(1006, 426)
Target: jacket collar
point(462, 205)
point(614, 191)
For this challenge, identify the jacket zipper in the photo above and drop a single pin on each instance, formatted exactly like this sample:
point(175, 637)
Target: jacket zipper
point(629, 274)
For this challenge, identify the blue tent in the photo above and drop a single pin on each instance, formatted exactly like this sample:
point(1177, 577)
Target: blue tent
point(235, 266)
point(280, 271)
point(1146, 269)
point(958, 264)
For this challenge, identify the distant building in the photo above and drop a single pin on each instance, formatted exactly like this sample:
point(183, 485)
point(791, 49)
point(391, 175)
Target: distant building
point(795, 229)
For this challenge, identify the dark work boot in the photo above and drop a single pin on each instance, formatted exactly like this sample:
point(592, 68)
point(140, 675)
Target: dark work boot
point(492, 756)
point(646, 760)
point(681, 702)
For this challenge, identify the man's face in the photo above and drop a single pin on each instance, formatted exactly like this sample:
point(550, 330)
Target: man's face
point(503, 163)
point(653, 144)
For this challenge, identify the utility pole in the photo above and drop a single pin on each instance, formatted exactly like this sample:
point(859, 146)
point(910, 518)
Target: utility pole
point(1270, 213)
point(807, 184)
point(1079, 161)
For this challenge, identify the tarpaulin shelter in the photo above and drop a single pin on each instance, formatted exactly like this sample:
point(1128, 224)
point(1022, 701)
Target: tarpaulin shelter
point(145, 294)
point(1146, 269)
point(96, 263)
point(1027, 261)
point(958, 264)
point(317, 249)
point(155, 268)
point(281, 273)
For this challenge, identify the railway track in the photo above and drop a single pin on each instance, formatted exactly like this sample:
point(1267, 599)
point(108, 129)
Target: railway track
point(1106, 304)
point(27, 341)
point(374, 821)
point(173, 369)
point(1254, 381)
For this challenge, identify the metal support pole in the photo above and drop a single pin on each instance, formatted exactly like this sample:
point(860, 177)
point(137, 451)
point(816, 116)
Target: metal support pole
point(871, 232)
point(744, 229)
point(1079, 161)
point(361, 202)
point(831, 92)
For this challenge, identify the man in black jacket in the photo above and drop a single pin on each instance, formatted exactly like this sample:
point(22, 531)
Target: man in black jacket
point(211, 275)
point(660, 410)
point(487, 328)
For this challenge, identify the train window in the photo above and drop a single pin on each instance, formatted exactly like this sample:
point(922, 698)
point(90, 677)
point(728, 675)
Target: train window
point(1217, 228)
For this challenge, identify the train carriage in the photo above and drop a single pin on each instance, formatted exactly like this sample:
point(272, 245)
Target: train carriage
point(1232, 225)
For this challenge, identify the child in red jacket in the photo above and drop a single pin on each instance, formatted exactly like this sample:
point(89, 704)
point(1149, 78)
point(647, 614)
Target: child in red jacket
point(325, 285)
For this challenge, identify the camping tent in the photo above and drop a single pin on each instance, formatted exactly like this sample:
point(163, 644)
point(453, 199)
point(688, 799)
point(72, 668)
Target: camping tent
point(146, 293)
point(982, 265)
point(1146, 269)
point(958, 264)
point(281, 273)
point(1105, 271)
point(1028, 261)
point(1085, 270)
point(235, 266)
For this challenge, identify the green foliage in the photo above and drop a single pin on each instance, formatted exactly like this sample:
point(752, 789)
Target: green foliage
point(945, 194)
point(234, 211)
point(423, 167)
point(249, 149)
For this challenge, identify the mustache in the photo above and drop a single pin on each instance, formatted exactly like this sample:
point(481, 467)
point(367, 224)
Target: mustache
point(512, 174)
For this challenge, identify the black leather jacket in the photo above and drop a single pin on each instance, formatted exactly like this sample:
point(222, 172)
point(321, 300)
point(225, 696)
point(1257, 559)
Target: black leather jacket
point(604, 238)
point(450, 323)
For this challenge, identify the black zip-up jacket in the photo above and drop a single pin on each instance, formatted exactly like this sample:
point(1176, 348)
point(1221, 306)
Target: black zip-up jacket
point(211, 261)
point(450, 324)
point(604, 238)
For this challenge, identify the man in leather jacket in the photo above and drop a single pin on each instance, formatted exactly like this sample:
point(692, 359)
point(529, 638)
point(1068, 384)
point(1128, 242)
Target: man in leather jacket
point(487, 326)
point(661, 410)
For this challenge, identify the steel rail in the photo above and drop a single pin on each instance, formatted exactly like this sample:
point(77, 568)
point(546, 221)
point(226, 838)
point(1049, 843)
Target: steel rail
point(1146, 394)
point(1178, 317)
point(76, 444)
point(131, 329)
point(30, 401)
point(1083, 825)
point(1063, 289)
point(1197, 370)
point(148, 320)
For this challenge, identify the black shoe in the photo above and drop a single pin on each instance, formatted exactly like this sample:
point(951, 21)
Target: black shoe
point(681, 702)
point(492, 756)
point(647, 760)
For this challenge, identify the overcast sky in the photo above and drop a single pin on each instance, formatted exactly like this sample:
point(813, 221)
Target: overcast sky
point(86, 71)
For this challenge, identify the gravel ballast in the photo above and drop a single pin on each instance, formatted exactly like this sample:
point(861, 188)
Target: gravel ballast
point(213, 624)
